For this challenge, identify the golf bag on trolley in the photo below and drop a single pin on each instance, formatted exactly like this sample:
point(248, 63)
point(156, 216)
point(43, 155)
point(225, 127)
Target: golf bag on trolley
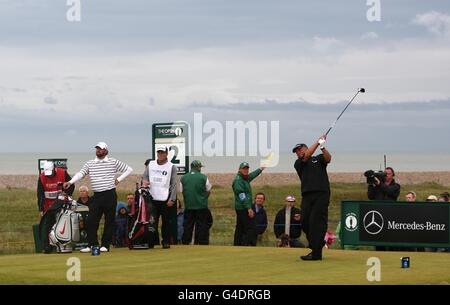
point(141, 222)
point(66, 229)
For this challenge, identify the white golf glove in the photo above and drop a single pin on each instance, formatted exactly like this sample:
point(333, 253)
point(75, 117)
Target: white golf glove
point(321, 143)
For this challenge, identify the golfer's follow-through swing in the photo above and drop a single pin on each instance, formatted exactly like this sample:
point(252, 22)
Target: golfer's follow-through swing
point(315, 189)
point(362, 90)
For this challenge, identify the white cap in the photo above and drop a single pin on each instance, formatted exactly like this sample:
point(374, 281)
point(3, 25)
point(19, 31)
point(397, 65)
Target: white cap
point(101, 145)
point(432, 198)
point(290, 198)
point(160, 147)
point(48, 168)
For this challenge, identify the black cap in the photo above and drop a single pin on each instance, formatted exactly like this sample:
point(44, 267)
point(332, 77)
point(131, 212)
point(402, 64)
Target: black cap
point(300, 145)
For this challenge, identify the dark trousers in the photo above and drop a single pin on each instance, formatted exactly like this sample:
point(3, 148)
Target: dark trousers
point(162, 210)
point(48, 223)
point(199, 219)
point(315, 219)
point(252, 232)
point(242, 233)
point(103, 203)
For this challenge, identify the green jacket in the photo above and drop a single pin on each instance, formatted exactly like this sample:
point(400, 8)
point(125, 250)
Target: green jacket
point(194, 190)
point(243, 191)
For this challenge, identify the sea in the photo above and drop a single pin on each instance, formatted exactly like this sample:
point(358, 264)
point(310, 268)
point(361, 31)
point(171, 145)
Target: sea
point(27, 163)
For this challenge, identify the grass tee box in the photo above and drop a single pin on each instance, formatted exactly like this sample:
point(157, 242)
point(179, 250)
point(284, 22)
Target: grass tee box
point(404, 224)
point(224, 265)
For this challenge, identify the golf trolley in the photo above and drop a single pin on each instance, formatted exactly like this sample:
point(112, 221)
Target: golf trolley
point(66, 229)
point(141, 221)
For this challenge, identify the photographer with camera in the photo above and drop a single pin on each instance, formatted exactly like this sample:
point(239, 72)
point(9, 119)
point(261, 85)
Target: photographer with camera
point(382, 185)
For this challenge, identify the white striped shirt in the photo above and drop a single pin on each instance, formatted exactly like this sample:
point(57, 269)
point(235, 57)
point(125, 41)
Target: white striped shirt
point(102, 173)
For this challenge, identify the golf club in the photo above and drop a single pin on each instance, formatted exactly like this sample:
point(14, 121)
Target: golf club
point(362, 90)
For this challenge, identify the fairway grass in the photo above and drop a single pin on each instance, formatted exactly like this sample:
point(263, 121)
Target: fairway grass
point(224, 265)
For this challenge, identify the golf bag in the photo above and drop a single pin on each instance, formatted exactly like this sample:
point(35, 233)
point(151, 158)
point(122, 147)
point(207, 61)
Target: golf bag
point(141, 222)
point(67, 226)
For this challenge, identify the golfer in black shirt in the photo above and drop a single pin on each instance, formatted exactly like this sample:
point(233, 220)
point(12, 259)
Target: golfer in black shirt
point(315, 187)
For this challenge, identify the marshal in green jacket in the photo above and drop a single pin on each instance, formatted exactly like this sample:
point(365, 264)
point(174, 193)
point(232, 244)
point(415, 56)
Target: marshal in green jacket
point(243, 191)
point(195, 193)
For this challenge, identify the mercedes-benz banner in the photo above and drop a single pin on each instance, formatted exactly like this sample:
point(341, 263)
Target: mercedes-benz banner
point(395, 223)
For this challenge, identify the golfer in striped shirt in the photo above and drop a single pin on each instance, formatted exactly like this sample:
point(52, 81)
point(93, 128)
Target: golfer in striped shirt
point(102, 172)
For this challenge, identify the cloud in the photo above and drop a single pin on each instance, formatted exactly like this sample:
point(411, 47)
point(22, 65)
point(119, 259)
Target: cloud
point(404, 71)
point(436, 22)
point(369, 36)
point(50, 100)
point(324, 44)
point(300, 106)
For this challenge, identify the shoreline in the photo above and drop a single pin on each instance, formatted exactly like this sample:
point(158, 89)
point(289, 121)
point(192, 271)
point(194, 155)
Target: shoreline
point(225, 179)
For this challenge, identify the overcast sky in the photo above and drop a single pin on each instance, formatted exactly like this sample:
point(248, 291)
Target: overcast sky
point(128, 64)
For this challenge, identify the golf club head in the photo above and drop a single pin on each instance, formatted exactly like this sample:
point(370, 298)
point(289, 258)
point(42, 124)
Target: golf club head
point(362, 90)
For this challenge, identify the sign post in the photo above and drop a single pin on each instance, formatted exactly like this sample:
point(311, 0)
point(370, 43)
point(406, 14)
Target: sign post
point(58, 162)
point(175, 136)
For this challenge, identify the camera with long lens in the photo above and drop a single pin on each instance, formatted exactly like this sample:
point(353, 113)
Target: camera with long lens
point(371, 175)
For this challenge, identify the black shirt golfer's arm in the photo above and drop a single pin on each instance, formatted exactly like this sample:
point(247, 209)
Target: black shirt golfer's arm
point(310, 151)
point(326, 155)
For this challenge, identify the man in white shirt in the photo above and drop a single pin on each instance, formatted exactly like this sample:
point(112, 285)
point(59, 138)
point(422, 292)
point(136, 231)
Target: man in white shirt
point(161, 176)
point(102, 172)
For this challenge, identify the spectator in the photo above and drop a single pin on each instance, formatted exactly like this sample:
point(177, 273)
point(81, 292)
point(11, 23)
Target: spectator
point(121, 228)
point(180, 221)
point(387, 190)
point(196, 189)
point(410, 196)
point(131, 201)
point(259, 222)
point(84, 198)
point(444, 197)
point(432, 198)
point(287, 226)
point(243, 203)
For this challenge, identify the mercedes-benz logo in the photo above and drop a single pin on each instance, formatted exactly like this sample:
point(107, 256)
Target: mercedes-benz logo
point(373, 222)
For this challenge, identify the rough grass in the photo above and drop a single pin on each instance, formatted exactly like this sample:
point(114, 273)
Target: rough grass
point(19, 211)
